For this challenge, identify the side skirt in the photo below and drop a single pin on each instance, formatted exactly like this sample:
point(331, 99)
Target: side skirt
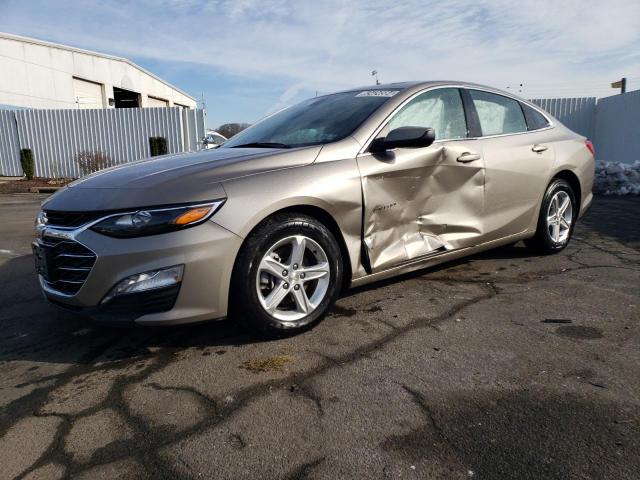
point(432, 260)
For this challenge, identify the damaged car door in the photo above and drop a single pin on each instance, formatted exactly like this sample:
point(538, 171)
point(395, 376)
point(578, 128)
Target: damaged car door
point(422, 201)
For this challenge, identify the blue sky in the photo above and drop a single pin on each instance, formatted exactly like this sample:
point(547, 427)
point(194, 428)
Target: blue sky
point(251, 57)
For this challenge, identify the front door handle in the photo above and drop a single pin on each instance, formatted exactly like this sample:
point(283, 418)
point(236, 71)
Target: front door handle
point(539, 148)
point(468, 157)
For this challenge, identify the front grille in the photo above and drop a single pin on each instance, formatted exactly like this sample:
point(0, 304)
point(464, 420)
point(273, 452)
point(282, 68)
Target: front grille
point(68, 264)
point(70, 219)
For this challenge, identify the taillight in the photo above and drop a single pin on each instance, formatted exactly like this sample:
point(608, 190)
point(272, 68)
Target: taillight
point(589, 145)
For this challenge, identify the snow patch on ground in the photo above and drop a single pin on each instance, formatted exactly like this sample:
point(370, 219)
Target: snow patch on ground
point(617, 178)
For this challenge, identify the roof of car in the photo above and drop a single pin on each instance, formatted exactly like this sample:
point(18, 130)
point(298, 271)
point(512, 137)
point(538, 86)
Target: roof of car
point(418, 85)
point(429, 83)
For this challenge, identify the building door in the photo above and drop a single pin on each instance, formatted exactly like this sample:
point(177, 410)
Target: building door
point(87, 94)
point(126, 98)
point(156, 102)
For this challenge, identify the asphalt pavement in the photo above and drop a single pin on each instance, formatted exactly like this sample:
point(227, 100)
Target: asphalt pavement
point(506, 365)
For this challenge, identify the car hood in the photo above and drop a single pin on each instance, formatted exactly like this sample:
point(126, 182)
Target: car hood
point(173, 179)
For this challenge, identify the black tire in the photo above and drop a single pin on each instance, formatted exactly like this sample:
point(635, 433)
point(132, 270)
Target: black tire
point(245, 305)
point(542, 242)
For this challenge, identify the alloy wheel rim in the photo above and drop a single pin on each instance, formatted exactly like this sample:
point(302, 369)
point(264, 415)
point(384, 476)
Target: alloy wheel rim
point(559, 217)
point(293, 278)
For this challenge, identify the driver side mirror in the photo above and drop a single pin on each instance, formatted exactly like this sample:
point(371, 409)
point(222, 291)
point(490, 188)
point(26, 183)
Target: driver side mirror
point(404, 137)
point(208, 143)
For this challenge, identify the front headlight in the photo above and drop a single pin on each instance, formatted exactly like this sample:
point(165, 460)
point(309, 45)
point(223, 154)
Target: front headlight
point(41, 220)
point(150, 221)
point(141, 282)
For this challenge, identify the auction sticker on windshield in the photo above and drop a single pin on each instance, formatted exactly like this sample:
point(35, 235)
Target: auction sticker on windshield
point(377, 93)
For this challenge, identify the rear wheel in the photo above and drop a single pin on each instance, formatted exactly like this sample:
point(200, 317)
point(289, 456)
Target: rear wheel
point(287, 275)
point(556, 220)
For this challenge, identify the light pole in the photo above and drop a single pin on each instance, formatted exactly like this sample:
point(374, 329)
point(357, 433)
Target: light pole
point(621, 84)
point(375, 74)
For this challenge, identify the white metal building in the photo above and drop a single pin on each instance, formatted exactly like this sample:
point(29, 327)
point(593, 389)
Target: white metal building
point(39, 74)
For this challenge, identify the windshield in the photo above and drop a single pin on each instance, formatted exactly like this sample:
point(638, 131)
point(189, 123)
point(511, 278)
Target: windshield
point(315, 121)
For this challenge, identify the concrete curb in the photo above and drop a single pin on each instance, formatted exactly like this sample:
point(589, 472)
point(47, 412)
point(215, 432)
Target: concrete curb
point(44, 189)
point(10, 179)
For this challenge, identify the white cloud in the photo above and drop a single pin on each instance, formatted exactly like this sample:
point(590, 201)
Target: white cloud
point(571, 47)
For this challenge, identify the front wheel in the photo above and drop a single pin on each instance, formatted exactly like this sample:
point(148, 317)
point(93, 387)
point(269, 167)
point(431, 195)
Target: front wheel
point(288, 274)
point(557, 218)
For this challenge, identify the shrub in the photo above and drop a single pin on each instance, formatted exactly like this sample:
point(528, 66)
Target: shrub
point(26, 159)
point(158, 146)
point(90, 162)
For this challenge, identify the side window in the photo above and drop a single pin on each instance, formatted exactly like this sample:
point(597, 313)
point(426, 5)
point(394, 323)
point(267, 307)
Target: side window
point(535, 120)
point(440, 109)
point(497, 114)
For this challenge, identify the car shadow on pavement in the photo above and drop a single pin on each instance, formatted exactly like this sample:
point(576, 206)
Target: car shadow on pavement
point(34, 330)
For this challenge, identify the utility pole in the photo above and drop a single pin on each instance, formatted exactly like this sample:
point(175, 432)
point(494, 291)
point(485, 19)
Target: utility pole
point(520, 87)
point(621, 84)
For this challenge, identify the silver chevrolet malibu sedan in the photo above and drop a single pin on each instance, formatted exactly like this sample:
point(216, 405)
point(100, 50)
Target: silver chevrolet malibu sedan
point(340, 190)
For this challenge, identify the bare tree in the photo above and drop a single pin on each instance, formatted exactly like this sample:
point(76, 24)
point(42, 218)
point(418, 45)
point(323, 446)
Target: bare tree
point(230, 129)
point(90, 162)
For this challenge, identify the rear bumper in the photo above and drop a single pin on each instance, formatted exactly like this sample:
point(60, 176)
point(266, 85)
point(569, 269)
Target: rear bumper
point(586, 204)
point(207, 252)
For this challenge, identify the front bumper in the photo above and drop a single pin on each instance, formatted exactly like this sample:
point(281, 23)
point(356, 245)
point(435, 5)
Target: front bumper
point(207, 252)
point(126, 308)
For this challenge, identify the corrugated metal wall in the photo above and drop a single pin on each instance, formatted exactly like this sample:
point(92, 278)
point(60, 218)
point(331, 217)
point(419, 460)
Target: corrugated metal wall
point(56, 136)
point(193, 126)
point(9, 145)
point(617, 128)
point(610, 122)
point(576, 113)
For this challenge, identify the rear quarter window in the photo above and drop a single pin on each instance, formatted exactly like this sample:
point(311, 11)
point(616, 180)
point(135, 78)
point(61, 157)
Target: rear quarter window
point(535, 120)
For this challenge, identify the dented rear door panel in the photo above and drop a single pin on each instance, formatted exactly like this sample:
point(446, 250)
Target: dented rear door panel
point(418, 202)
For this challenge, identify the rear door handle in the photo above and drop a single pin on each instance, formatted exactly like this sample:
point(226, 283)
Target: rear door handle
point(539, 148)
point(468, 157)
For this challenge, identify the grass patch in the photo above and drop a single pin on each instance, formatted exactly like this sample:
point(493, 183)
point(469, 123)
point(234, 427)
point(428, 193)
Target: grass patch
point(267, 364)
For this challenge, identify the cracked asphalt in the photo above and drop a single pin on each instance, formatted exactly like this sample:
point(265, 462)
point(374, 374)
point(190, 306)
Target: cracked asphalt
point(505, 365)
